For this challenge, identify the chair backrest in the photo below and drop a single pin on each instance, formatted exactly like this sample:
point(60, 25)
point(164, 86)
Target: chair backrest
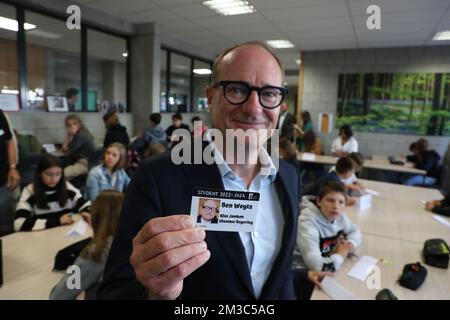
point(94, 158)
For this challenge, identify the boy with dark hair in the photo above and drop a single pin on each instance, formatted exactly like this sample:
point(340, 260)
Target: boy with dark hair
point(177, 123)
point(154, 133)
point(325, 236)
point(345, 169)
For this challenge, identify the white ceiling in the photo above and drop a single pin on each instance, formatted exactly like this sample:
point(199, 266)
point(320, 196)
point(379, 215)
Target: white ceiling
point(309, 24)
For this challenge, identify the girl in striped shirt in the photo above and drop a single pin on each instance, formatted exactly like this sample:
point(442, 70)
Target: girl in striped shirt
point(50, 200)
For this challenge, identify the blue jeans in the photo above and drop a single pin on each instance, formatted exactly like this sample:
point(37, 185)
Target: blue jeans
point(418, 181)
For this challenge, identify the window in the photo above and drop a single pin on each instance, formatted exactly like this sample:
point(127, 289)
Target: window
point(188, 78)
point(163, 96)
point(9, 67)
point(107, 70)
point(180, 83)
point(202, 78)
point(52, 60)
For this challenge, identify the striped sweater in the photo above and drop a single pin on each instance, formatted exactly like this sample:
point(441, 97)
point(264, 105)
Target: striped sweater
point(31, 218)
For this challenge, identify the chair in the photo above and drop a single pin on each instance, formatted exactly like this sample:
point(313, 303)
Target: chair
point(27, 168)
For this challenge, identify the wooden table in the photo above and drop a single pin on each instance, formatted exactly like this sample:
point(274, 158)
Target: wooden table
point(395, 229)
point(376, 163)
point(28, 259)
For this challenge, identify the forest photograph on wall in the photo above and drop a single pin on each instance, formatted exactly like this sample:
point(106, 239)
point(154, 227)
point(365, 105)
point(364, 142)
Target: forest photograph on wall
point(403, 103)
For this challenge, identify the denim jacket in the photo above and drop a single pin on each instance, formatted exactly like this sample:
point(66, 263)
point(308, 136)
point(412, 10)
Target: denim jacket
point(100, 179)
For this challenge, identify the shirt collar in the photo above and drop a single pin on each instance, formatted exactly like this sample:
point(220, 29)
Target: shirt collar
point(270, 170)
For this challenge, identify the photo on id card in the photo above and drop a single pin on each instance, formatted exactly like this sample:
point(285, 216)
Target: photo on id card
point(224, 210)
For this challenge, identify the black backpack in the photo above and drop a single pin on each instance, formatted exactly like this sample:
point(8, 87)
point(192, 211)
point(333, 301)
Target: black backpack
point(67, 256)
point(413, 276)
point(436, 253)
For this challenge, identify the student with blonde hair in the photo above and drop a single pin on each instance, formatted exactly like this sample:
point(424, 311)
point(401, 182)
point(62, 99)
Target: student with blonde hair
point(105, 213)
point(110, 174)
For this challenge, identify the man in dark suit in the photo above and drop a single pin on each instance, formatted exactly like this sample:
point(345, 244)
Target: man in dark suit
point(158, 253)
point(286, 122)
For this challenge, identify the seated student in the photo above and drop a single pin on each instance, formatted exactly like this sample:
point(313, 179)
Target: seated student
point(345, 143)
point(115, 132)
point(352, 184)
point(424, 159)
point(50, 200)
point(79, 145)
point(441, 207)
point(311, 143)
point(154, 133)
point(326, 236)
point(153, 150)
point(342, 172)
point(177, 119)
point(110, 174)
point(199, 130)
point(287, 151)
point(104, 219)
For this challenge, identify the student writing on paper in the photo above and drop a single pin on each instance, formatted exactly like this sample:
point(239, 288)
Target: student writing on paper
point(50, 200)
point(325, 235)
point(352, 183)
point(343, 173)
point(441, 207)
point(424, 159)
point(105, 215)
point(110, 174)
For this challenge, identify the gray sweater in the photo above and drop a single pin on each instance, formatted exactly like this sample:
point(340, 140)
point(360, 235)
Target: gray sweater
point(91, 274)
point(317, 237)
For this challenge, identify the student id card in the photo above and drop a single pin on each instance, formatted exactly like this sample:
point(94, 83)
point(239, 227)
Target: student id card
point(224, 210)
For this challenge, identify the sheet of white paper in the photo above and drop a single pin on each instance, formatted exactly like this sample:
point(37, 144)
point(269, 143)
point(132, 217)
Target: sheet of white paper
point(362, 268)
point(373, 192)
point(364, 201)
point(78, 229)
point(49, 147)
point(442, 220)
point(335, 291)
point(308, 156)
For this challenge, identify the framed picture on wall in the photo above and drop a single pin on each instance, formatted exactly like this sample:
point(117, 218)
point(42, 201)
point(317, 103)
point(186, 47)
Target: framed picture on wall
point(9, 102)
point(325, 122)
point(57, 104)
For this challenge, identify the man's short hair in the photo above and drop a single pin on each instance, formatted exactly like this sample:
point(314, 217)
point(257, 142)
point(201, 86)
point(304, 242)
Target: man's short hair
point(219, 58)
point(155, 118)
point(344, 165)
point(329, 187)
point(177, 116)
point(357, 158)
point(71, 92)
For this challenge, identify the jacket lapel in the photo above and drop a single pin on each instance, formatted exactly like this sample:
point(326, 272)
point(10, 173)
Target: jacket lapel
point(289, 202)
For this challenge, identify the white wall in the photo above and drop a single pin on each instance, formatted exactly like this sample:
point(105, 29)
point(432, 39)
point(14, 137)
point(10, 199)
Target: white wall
point(321, 85)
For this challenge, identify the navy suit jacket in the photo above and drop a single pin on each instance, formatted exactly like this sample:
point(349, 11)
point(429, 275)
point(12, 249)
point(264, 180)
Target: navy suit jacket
point(161, 188)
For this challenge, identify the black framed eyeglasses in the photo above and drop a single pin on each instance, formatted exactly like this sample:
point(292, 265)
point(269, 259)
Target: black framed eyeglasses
point(238, 92)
